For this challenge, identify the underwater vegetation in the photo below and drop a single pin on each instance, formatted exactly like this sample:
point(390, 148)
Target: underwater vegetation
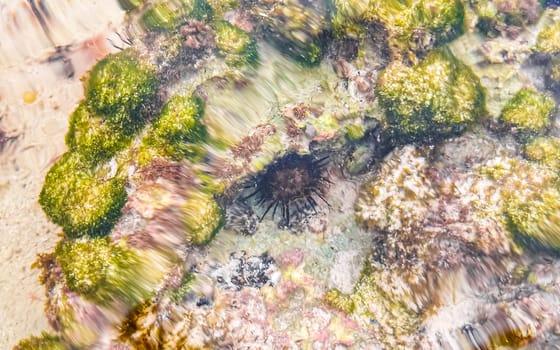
point(438, 97)
point(276, 173)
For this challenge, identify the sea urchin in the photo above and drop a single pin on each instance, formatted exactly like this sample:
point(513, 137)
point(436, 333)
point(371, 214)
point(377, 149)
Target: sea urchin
point(291, 182)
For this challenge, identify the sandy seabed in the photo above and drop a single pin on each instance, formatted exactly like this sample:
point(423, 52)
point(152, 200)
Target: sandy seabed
point(36, 98)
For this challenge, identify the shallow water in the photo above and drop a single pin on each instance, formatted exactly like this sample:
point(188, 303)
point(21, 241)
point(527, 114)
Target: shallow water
point(307, 215)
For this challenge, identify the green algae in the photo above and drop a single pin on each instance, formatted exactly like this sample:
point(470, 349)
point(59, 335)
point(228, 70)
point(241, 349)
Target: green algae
point(166, 16)
point(118, 87)
point(75, 197)
point(92, 137)
point(545, 150)
point(235, 45)
point(528, 110)
point(203, 218)
point(438, 97)
point(177, 133)
point(100, 270)
point(496, 15)
point(45, 341)
point(548, 40)
point(408, 23)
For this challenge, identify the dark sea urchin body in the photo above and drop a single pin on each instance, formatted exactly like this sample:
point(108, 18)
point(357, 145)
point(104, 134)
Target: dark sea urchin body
point(291, 182)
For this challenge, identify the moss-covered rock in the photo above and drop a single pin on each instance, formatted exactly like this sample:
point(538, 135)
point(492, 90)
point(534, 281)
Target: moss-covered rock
point(75, 198)
point(548, 40)
point(166, 16)
point(538, 218)
point(96, 140)
point(203, 218)
point(528, 110)
point(505, 16)
point(438, 97)
point(235, 45)
point(159, 16)
point(100, 270)
point(383, 299)
point(45, 341)
point(178, 133)
point(296, 28)
point(118, 86)
point(411, 25)
point(545, 150)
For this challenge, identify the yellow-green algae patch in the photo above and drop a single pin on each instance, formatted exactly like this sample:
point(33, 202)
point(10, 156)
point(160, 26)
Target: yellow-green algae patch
point(203, 218)
point(438, 97)
point(77, 198)
point(178, 133)
point(410, 24)
point(545, 150)
point(101, 271)
point(43, 342)
point(528, 110)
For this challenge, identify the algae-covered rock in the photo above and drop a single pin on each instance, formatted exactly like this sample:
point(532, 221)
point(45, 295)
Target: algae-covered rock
point(75, 198)
point(528, 110)
point(529, 199)
point(91, 136)
point(100, 271)
point(45, 341)
point(545, 150)
point(159, 16)
point(235, 45)
point(166, 16)
point(411, 25)
point(118, 86)
point(383, 303)
point(203, 217)
point(506, 16)
point(296, 28)
point(129, 5)
point(438, 97)
point(178, 133)
point(548, 40)
point(539, 218)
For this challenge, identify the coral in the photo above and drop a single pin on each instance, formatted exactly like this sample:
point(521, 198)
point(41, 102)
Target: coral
point(548, 40)
point(506, 16)
point(438, 97)
point(395, 200)
point(43, 342)
point(528, 110)
point(118, 86)
point(94, 138)
point(77, 198)
point(545, 150)
point(235, 45)
point(178, 131)
point(202, 217)
point(296, 28)
point(411, 25)
point(100, 270)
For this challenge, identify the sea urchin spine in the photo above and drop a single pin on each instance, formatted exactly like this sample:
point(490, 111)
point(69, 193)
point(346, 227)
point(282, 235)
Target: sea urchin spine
point(292, 181)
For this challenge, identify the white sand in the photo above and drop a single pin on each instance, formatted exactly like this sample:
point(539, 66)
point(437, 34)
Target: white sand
point(41, 126)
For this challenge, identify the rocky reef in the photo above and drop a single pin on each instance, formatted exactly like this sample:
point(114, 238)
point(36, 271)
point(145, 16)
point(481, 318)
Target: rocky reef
point(315, 175)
